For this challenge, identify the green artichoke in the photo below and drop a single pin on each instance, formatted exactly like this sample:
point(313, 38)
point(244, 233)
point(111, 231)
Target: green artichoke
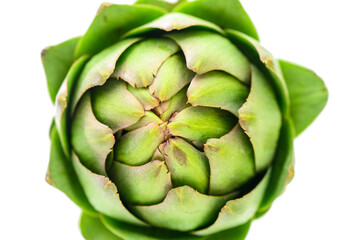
point(173, 122)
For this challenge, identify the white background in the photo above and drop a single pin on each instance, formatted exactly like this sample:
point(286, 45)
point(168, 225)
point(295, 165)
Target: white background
point(302, 31)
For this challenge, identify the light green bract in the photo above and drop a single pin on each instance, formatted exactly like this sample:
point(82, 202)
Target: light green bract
point(173, 122)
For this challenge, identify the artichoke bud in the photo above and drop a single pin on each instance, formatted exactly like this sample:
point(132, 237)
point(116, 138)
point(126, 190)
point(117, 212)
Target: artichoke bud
point(176, 124)
point(187, 119)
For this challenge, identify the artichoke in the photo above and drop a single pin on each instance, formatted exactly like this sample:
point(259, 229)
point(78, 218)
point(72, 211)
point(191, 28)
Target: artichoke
point(173, 122)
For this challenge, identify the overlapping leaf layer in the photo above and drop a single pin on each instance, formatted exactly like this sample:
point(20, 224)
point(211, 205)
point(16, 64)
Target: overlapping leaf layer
point(179, 130)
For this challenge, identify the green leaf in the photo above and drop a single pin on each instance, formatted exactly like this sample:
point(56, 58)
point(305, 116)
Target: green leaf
point(187, 165)
point(282, 166)
point(268, 65)
point(238, 211)
point(93, 229)
point(91, 140)
point(219, 90)
point(227, 14)
point(176, 104)
point(201, 123)
point(149, 117)
point(161, 3)
point(142, 185)
point(184, 209)
point(99, 69)
point(144, 97)
point(308, 94)
point(111, 22)
point(141, 62)
point(115, 106)
point(57, 60)
point(138, 146)
point(132, 232)
point(261, 119)
point(206, 51)
point(103, 194)
point(171, 22)
point(101, 227)
point(232, 161)
point(63, 99)
point(61, 174)
point(172, 76)
point(237, 233)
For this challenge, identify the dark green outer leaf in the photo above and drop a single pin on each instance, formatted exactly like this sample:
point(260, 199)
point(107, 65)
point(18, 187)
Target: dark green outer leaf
point(93, 229)
point(111, 23)
point(308, 94)
point(161, 3)
point(237, 233)
point(282, 166)
point(130, 232)
point(61, 174)
point(227, 14)
point(56, 61)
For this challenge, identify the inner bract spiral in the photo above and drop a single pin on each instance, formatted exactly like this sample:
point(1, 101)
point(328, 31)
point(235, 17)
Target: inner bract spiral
point(169, 123)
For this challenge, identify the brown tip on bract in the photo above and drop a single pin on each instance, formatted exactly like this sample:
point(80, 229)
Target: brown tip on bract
point(48, 179)
point(103, 6)
point(43, 53)
point(290, 175)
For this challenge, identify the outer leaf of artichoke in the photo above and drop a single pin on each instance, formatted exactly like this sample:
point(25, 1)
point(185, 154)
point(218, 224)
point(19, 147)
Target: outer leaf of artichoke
point(111, 22)
point(93, 229)
point(161, 3)
point(57, 60)
point(282, 167)
point(227, 14)
point(63, 99)
point(129, 232)
point(266, 63)
point(308, 94)
point(61, 174)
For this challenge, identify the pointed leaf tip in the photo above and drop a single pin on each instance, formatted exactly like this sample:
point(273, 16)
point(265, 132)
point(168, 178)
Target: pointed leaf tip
point(102, 7)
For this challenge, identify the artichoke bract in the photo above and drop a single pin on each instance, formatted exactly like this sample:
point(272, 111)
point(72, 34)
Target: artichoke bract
point(173, 122)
